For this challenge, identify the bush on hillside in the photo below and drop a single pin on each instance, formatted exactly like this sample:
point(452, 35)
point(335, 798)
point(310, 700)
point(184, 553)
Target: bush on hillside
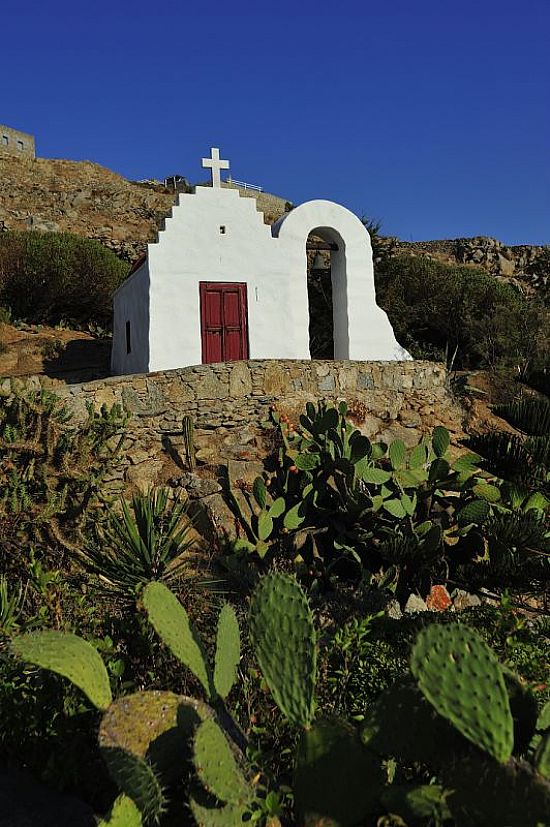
point(437, 309)
point(47, 277)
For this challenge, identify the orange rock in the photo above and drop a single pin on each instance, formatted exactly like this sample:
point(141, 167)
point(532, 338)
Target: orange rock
point(438, 599)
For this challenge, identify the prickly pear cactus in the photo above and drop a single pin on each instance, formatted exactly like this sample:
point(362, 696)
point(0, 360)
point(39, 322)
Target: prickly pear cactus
point(154, 725)
point(461, 677)
point(337, 781)
point(542, 756)
point(284, 641)
point(171, 623)
point(228, 651)
point(217, 768)
point(123, 813)
point(138, 780)
point(68, 655)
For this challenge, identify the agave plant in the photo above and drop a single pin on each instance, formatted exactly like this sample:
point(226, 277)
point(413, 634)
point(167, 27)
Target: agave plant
point(147, 541)
point(11, 602)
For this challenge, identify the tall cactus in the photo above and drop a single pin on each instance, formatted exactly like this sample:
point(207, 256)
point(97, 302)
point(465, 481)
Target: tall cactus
point(284, 641)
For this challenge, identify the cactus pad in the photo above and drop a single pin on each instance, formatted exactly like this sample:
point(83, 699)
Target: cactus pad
point(68, 655)
point(228, 816)
point(487, 793)
point(337, 781)
point(228, 651)
point(283, 637)
point(171, 622)
point(216, 765)
point(402, 724)
point(123, 813)
point(137, 779)
point(542, 756)
point(461, 677)
point(154, 725)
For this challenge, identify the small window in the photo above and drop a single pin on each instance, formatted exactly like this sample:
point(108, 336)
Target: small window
point(128, 338)
point(5, 140)
point(20, 146)
point(222, 229)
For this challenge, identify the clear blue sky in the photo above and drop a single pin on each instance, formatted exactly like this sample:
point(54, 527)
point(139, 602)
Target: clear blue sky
point(432, 115)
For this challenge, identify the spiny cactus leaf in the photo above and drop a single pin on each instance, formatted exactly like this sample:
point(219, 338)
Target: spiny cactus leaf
point(337, 781)
point(137, 779)
point(543, 720)
point(486, 492)
point(397, 454)
point(70, 656)
point(360, 447)
point(395, 508)
point(154, 725)
point(307, 462)
point(228, 651)
point(228, 816)
point(542, 756)
point(519, 797)
point(294, 517)
point(171, 623)
point(523, 706)
point(417, 801)
point(404, 725)
point(216, 765)
point(476, 511)
point(461, 677)
point(260, 491)
point(375, 476)
point(440, 440)
point(265, 526)
point(123, 813)
point(418, 456)
point(277, 508)
point(283, 637)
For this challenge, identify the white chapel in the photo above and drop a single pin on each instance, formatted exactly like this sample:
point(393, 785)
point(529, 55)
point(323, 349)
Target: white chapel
point(221, 285)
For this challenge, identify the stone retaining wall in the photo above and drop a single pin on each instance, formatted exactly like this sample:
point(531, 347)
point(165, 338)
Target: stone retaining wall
point(230, 405)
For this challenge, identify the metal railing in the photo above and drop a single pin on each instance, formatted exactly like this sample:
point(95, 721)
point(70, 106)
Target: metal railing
point(243, 185)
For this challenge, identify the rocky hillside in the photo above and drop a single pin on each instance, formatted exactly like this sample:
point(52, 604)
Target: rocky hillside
point(527, 266)
point(87, 199)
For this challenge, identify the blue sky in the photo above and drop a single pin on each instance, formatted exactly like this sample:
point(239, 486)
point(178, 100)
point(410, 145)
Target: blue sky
point(432, 115)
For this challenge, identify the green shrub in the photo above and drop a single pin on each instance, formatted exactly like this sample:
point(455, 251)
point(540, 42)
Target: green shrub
point(46, 277)
point(441, 308)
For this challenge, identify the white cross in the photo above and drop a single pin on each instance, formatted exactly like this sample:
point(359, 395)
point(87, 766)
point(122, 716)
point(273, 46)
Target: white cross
point(215, 164)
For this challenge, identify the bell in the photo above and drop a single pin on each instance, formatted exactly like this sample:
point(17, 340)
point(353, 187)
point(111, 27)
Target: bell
point(319, 266)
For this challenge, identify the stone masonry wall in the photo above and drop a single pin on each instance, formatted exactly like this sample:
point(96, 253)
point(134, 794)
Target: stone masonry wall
point(230, 405)
point(13, 142)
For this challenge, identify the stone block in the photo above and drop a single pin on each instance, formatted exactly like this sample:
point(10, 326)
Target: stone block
point(240, 380)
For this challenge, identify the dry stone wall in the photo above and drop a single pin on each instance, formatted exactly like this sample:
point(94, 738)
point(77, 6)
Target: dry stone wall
point(230, 405)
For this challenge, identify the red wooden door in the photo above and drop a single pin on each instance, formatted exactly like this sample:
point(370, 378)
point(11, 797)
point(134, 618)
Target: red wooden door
point(223, 321)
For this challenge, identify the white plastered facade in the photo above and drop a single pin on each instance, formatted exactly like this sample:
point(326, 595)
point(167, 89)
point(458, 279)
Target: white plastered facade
point(215, 235)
